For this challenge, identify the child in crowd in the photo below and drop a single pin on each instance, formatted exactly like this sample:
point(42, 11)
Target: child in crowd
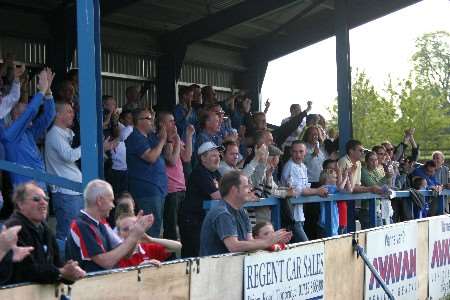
point(262, 230)
point(124, 203)
point(334, 181)
point(150, 250)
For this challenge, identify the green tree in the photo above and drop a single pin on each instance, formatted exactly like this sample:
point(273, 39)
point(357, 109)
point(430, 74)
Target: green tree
point(432, 62)
point(423, 109)
point(421, 101)
point(373, 116)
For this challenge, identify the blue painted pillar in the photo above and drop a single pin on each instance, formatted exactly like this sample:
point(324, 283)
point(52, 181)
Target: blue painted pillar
point(88, 28)
point(344, 87)
point(343, 73)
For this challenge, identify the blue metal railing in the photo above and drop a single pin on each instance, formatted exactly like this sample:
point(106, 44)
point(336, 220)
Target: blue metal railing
point(274, 203)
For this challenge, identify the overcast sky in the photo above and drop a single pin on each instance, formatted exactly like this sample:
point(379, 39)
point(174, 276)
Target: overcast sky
point(381, 47)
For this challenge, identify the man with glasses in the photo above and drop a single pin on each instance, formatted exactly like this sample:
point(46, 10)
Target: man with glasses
point(147, 179)
point(43, 265)
point(352, 161)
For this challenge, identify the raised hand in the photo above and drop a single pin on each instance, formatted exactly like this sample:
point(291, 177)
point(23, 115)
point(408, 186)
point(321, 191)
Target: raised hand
point(162, 134)
point(50, 77)
point(143, 223)
point(109, 143)
point(8, 237)
point(18, 71)
point(43, 81)
point(281, 236)
point(190, 130)
point(19, 253)
point(262, 153)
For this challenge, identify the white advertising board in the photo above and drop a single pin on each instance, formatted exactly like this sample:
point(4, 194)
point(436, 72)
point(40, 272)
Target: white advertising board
point(296, 273)
point(439, 257)
point(393, 253)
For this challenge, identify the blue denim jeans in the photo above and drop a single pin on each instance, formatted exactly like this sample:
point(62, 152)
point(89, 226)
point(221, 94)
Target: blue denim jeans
point(298, 233)
point(152, 205)
point(66, 208)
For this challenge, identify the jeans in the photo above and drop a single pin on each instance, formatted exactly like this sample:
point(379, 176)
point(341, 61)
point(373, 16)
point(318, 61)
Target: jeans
point(66, 208)
point(171, 207)
point(152, 205)
point(298, 234)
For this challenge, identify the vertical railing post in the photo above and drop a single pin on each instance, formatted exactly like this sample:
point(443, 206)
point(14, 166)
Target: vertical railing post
point(372, 213)
point(276, 214)
point(441, 204)
point(88, 31)
point(328, 216)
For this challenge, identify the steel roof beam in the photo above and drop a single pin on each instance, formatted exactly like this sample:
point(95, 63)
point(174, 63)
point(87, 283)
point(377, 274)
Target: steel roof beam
point(221, 20)
point(110, 6)
point(320, 26)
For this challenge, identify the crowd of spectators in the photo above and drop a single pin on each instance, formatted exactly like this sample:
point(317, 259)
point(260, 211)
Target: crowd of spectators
point(160, 168)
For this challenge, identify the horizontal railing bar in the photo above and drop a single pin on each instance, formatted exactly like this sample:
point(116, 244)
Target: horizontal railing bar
point(41, 176)
point(332, 197)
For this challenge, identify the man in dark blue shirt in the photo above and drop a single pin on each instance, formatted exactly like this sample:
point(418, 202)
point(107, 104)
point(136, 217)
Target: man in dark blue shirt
point(427, 171)
point(227, 228)
point(147, 179)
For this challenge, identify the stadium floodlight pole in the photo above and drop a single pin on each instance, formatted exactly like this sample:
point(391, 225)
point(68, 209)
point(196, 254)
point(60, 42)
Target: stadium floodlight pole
point(362, 253)
point(88, 32)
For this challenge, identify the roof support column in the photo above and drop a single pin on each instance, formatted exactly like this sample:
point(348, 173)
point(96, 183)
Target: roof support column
point(88, 23)
point(168, 73)
point(62, 44)
point(344, 86)
point(254, 82)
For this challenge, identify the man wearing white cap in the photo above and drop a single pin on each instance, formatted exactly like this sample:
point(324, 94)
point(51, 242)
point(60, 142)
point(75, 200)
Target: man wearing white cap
point(203, 184)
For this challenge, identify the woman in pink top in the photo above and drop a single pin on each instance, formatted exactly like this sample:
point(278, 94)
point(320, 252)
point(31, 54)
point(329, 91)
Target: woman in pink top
point(176, 153)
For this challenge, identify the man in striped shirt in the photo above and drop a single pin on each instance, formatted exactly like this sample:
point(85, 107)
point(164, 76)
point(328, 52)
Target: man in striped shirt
point(91, 241)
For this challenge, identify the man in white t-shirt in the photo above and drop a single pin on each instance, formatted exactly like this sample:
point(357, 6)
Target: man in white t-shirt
point(295, 175)
point(60, 160)
point(119, 173)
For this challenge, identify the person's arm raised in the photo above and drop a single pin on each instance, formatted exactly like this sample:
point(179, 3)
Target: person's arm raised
point(110, 259)
point(186, 152)
point(152, 154)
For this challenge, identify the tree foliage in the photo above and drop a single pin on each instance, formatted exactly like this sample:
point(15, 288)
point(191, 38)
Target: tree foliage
point(420, 101)
point(432, 61)
point(372, 114)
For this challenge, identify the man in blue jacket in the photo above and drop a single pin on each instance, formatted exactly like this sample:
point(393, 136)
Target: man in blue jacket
point(19, 138)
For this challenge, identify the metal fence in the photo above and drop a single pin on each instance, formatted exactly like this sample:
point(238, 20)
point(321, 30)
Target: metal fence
point(275, 204)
